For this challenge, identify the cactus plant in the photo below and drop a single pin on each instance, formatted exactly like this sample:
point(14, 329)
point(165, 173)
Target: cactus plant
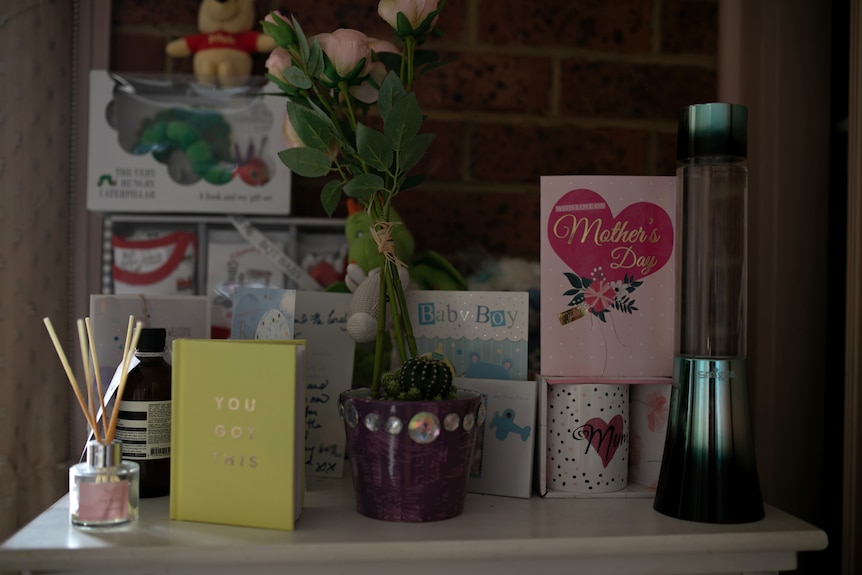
point(419, 378)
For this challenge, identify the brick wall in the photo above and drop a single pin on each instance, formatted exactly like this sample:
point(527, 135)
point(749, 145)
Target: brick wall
point(535, 87)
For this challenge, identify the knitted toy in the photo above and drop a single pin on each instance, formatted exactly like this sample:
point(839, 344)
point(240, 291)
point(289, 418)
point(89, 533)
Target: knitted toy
point(222, 50)
point(363, 272)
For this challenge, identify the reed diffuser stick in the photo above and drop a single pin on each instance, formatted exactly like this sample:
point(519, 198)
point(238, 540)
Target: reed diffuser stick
point(69, 374)
point(98, 380)
point(88, 375)
point(128, 352)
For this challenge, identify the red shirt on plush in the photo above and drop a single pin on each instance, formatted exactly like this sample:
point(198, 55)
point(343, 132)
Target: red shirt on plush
point(244, 41)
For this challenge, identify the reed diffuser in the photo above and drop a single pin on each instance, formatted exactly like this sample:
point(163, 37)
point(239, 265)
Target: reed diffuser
point(103, 489)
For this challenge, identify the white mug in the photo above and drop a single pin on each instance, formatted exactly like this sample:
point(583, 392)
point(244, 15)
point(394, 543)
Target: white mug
point(588, 441)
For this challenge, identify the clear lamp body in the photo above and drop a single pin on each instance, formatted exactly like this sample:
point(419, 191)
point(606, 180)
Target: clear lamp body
point(712, 266)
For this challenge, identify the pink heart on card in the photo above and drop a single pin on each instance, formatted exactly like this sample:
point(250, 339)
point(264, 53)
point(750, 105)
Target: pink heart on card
point(585, 234)
point(605, 437)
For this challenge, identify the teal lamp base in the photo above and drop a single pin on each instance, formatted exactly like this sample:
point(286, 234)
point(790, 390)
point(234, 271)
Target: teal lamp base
point(708, 472)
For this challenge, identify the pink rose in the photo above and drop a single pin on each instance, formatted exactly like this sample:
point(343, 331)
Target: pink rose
point(271, 20)
point(414, 10)
point(367, 92)
point(377, 45)
point(345, 48)
point(278, 60)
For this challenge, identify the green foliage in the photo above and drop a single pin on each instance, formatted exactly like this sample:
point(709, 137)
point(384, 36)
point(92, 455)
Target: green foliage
point(330, 122)
point(330, 114)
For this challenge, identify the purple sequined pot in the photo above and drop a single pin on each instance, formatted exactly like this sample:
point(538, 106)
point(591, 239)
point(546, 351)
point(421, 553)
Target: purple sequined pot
point(410, 459)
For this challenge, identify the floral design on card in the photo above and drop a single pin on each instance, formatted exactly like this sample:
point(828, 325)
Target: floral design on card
point(609, 256)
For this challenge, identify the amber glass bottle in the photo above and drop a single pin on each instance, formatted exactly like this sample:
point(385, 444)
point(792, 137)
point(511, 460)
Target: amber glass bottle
point(144, 422)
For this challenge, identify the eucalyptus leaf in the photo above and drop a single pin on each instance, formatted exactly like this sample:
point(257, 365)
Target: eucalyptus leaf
point(330, 196)
point(285, 87)
point(413, 150)
point(410, 181)
point(404, 121)
point(301, 40)
point(306, 162)
point(297, 77)
point(391, 90)
point(363, 186)
point(312, 127)
point(373, 147)
point(315, 59)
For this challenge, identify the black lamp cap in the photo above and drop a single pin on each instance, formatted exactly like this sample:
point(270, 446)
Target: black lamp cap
point(714, 129)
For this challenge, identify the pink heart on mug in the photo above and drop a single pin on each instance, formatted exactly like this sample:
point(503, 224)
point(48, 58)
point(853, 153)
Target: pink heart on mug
point(585, 234)
point(606, 437)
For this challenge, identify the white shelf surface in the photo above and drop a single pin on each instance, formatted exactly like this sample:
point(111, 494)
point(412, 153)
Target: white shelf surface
point(496, 535)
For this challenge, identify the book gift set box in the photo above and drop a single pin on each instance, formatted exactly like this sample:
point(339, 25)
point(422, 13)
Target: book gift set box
point(164, 143)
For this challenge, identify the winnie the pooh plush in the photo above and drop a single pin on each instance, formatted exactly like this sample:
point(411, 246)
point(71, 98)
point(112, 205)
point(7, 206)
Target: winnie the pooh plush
point(221, 51)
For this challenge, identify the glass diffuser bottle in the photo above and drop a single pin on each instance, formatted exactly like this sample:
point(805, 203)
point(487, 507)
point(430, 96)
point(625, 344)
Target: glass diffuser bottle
point(103, 489)
point(708, 471)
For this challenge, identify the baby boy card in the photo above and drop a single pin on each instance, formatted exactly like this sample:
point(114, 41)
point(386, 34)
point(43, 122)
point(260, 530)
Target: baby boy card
point(607, 279)
point(482, 333)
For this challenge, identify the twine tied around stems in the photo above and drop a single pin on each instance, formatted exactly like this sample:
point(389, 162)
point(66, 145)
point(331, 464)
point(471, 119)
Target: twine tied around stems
point(381, 232)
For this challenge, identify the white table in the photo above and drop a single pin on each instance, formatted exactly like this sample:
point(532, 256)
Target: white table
point(495, 535)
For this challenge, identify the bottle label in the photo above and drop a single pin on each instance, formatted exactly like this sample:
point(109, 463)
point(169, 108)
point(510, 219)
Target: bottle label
point(144, 427)
point(103, 501)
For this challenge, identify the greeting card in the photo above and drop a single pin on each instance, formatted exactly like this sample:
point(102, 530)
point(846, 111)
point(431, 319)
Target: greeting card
point(181, 316)
point(319, 318)
point(607, 283)
point(263, 313)
point(503, 457)
point(483, 334)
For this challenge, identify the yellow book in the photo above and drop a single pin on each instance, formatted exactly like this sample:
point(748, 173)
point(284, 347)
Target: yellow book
point(237, 432)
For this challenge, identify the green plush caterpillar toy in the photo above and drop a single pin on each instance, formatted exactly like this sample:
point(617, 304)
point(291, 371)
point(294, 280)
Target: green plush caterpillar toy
point(202, 135)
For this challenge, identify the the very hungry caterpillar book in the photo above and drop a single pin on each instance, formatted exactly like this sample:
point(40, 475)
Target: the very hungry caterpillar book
point(237, 432)
point(607, 283)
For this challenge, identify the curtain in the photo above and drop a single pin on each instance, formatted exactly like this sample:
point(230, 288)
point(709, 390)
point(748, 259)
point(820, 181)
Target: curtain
point(36, 79)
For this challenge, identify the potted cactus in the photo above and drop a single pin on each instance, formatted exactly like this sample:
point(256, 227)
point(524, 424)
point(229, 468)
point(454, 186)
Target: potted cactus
point(411, 449)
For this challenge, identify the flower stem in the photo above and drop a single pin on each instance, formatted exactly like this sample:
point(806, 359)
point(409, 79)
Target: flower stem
point(409, 54)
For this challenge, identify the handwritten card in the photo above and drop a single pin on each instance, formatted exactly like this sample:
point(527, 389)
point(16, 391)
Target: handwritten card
point(320, 320)
point(483, 333)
